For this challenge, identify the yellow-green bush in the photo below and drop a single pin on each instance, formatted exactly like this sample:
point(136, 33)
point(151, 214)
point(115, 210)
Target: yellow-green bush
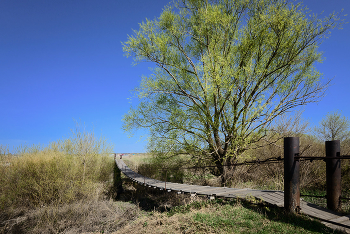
point(62, 172)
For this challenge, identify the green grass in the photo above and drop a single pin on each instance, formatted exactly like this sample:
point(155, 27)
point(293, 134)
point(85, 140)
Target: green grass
point(220, 216)
point(240, 219)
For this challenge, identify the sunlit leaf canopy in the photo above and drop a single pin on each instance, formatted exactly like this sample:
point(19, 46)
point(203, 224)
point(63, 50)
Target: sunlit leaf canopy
point(225, 69)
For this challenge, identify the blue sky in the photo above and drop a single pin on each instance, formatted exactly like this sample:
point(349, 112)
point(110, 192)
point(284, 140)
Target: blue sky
point(62, 60)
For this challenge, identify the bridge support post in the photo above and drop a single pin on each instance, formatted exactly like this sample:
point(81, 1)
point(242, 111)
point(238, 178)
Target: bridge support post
point(333, 175)
point(117, 180)
point(291, 175)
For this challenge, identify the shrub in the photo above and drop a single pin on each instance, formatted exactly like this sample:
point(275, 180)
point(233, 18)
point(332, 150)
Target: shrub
point(62, 172)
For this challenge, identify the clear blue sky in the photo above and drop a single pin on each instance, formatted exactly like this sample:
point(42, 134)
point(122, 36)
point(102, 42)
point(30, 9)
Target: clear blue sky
point(62, 60)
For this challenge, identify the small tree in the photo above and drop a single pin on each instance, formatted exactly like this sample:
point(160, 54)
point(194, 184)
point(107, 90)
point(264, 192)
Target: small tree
point(333, 127)
point(225, 70)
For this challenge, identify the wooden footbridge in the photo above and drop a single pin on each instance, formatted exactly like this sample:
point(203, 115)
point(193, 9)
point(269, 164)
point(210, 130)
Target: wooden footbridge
point(327, 217)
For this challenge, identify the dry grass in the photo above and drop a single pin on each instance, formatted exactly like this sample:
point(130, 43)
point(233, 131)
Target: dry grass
point(83, 216)
point(134, 161)
point(47, 177)
point(59, 173)
point(44, 187)
point(161, 223)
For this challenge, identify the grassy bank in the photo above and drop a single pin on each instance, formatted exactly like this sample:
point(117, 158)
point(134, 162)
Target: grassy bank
point(41, 183)
point(219, 216)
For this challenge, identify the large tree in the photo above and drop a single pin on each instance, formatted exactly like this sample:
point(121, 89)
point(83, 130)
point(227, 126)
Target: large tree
point(333, 127)
point(225, 69)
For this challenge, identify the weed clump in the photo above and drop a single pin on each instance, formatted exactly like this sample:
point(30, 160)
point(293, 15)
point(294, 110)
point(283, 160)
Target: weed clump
point(60, 173)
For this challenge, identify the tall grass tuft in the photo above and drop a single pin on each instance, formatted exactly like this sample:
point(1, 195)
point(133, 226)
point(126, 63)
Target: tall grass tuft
point(60, 173)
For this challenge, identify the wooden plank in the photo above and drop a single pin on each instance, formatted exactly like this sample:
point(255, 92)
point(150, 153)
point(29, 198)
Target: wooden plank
point(162, 184)
point(270, 199)
point(220, 193)
point(217, 190)
point(177, 187)
point(278, 195)
point(273, 201)
point(345, 222)
point(318, 209)
point(266, 195)
point(341, 227)
point(187, 189)
point(247, 193)
point(277, 200)
point(231, 191)
point(184, 185)
point(153, 181)
point(318, 212)
point(191, 189)
point(271, 196)
point(314, 214)
point(238, 195)
point(205, 189)
point(213, 191)
point(341, 219)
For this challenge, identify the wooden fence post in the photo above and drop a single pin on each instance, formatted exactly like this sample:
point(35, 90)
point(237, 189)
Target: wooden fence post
point(333, 175)
point(291, 175)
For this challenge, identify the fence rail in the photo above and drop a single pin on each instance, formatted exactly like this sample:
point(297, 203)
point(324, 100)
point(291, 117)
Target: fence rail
point(311, 158)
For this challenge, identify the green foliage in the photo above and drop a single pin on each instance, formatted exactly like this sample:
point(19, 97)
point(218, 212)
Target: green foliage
point(333, 127)
point(62, 172)
point(225, 70)
point(169, 169)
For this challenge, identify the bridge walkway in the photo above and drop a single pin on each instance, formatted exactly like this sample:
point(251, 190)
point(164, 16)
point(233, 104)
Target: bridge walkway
point(327, 217)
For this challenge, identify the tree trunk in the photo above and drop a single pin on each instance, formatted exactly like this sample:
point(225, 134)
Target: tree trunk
point(226, 177)
point(224, 168)
point(227, 173)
